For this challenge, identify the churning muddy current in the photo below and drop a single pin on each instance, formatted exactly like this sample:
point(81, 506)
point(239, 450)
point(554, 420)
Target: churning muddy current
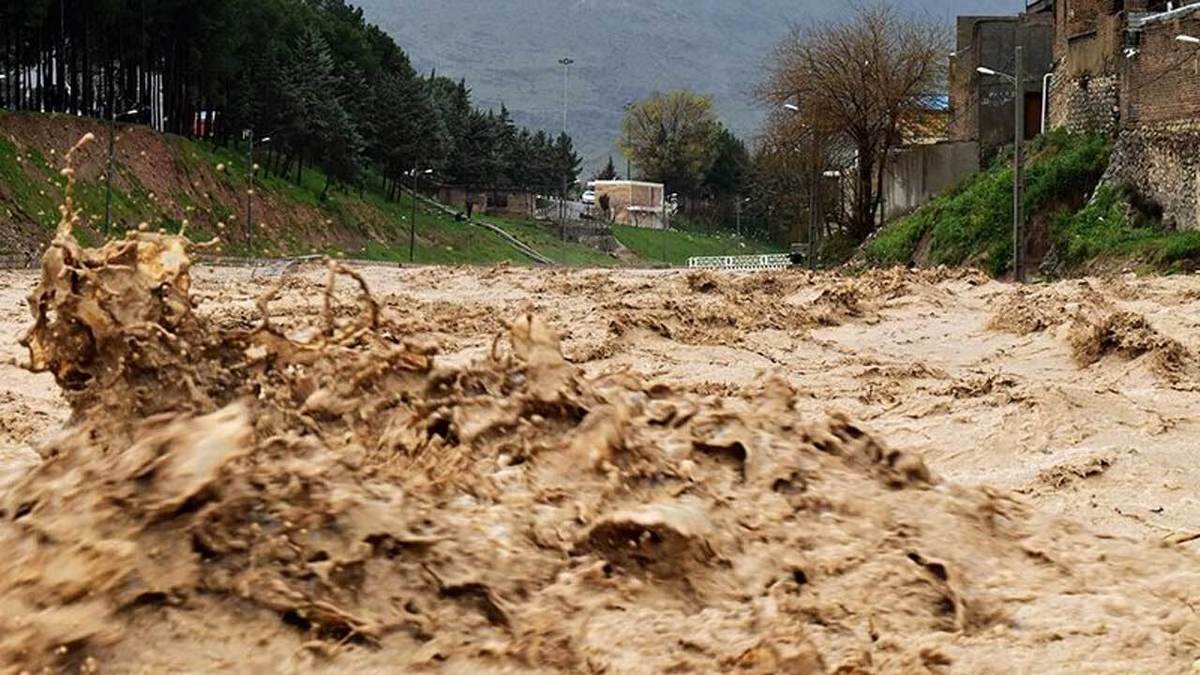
point(507, 470)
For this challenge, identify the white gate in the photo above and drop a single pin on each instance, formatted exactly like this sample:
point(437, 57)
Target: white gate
point(743, 263)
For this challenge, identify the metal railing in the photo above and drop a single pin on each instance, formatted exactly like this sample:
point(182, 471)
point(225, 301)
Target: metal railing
point(742, 263)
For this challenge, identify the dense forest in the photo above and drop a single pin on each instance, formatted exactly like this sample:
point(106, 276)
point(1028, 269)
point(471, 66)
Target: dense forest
point(328, 89)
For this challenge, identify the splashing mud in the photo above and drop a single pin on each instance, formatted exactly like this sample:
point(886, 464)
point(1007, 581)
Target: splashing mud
point(231, 495)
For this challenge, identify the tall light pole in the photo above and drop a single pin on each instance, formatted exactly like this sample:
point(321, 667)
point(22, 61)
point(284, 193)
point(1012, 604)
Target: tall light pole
point(412, 224)
point(629, 105)
point(1018, 81)
point(112, 152)
point(814, 198)
point(251, 172)
point(566, 63)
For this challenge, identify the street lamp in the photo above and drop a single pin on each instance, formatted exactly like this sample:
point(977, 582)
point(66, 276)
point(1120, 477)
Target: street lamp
point(1188, 39)
point(814, 199)
point(629, 105)
point(1018, 160)
point(412, 224)
point(251, 172)
point(112, 151)
point(566, 63)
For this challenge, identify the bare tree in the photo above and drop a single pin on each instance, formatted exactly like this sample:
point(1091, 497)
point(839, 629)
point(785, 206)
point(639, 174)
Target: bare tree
point(859, 82)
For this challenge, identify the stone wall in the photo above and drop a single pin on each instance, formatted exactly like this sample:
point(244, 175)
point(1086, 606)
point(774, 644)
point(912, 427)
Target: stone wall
point(1085, 104)
point(1162, 163)
point(1119, 71)
point(1158, 152)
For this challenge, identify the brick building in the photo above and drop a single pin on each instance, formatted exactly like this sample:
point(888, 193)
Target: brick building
point(982, 106)
point(1119, 70)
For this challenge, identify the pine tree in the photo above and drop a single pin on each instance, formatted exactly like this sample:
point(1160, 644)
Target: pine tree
point(609, 172)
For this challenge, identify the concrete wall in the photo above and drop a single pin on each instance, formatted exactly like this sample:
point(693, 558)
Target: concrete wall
point(921, 172)
point(982, 106)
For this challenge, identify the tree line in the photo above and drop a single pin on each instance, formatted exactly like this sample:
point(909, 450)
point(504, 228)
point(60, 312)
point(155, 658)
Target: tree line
point(676, 138)
point(328, 89)
point(841, 96)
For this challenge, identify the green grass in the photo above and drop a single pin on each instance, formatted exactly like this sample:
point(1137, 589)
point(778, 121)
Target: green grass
point(674, 248)
point(28, 182)
point(973, 223)
point(355, 225)
point(544, 239)
point(1112, 227)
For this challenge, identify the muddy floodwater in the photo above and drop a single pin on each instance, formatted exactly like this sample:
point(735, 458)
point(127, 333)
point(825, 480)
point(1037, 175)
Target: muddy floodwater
point(537, 470)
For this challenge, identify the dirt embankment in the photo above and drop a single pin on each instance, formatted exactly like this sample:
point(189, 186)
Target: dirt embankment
point(382, 483)
point(158, 178)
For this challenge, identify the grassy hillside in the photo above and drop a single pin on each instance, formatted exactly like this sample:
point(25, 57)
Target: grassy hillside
point(674, 248)
point(164, 181)
point(972, 225)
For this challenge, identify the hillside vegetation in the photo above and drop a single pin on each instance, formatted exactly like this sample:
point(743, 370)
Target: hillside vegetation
point(1074, 223)
point(165, 180)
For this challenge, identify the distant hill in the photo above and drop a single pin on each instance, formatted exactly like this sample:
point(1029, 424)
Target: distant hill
point(624, 49)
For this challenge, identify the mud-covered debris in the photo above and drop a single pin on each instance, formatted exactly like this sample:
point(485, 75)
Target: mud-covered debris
point(661, 538)
point(1130, 336)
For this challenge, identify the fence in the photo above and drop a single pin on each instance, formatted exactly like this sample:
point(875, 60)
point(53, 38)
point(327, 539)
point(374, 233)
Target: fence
point(742, 263)
point(11, 260)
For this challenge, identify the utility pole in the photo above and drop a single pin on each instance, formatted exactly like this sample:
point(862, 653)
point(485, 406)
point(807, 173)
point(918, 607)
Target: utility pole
point(251, 174)
point(248, 134)
point(112, 153)
point(566, 63)
point(112, 150)
point(813, 217)
point(1019, 169)
point(412, 224)
point(1018, 81)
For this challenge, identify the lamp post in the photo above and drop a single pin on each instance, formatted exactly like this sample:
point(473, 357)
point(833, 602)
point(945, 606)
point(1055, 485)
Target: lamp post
point(814, 199)
point(112, 152)
point(412, 224)
point(251, 172)
point(566, 63)
point(1018, 81)
point(629, 105)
